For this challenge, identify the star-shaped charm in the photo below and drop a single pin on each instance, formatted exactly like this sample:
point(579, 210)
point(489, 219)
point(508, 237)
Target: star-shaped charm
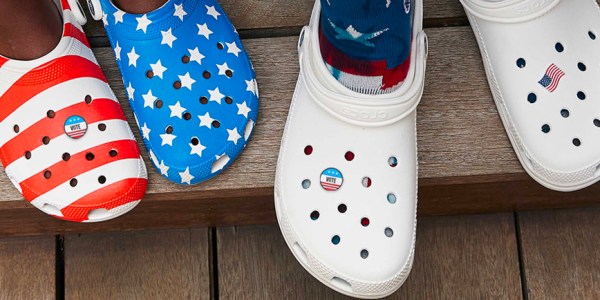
point(197, 149)
point(223, 69)
point(250, 86)
point(206, 120)
point(195, 55)
point(167, 139)
point(203, 30)
point(145, 132)
point(243, 109)
point(143, 23)
point(130, 91)
point(215, 95)
point(177, 110)
point(186, 177)
point(233, 48)
point(179, 12)
point(118, 51)
point(234, 136)
point(119, 16)
point(149, 99)
point(167, 38)
point(210, 10)
point(158, 69)
point(186, 80)
point(133, 57)
point(105, 19)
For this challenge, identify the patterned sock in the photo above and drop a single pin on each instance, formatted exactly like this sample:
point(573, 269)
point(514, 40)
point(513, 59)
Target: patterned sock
point(366, 43)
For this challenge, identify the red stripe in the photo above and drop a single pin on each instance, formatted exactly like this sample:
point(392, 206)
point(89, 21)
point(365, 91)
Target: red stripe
point(74, 32)
point(29, 85)
point(64, 171)
point(65, 4)
point(2, 61)
point(31, 138)
point(109, 197)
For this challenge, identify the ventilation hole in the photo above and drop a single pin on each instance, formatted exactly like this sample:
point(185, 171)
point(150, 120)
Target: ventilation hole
point(597, 122)
point(581, 66)
point(592, 35)
point(229, 73)
point(308, 150)
point(47, 174)
point(305, 183)
point(27, 155)
point(248, 129)
point(365, 222)
point(73, 182)
point(559, 47)
point(66, 156)
point(314, 215)
point(158, 104)
point(521, 63)
point(388, 232)
point(187, 116)
point(206, 74)
point(169, 129)
point(581, 95)
point(576, 142)
point(203, 100)
point(300, 254)
point(220, 163)
point(335, 239)
point(349, 156)
point(216, 124)
point(195, 141)
point(101, 126)
point(564, 113)
point(392, 161)
point(545, 128)
point(46, 140)
point(149, 74)
point(342, 208)
point(228, 100)
point(341, 284)
point(90, 156)
point(113, 153)
point(99, 214)
point(220, 46)
point(50, 114)
point(364, 253)
point(177, 84)
point(366, 182)
point(102, 179)
point(391, 198)
point(16, 128)
point(185, 59)
point(531, 98)
point(88, 99)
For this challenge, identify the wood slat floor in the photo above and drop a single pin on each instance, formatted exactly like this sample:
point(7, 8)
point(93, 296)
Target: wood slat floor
point(528, 255)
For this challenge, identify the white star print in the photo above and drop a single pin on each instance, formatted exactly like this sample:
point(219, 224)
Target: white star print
point(243, 109)
point(133, 57)
point(225, 160)
point(250, 86)
point(223, 68)
point(195, 55)
point(119, 16)
point(158, 69)
point(206, 120)
point(149, 99)
point(163, 168)
point(130, 91)
point(210, 10)
point(234, 136)
point(143, 23)
point(233, 48)
point(167, 38)
point(167, 139)
point(177, 110)
point(186, 80)
point(179, 12)
point(105, 19)
point(186, 177)
point(146, 132)
point(215, 95)
point(203, 30)
point(118, 51)
point(197, 149)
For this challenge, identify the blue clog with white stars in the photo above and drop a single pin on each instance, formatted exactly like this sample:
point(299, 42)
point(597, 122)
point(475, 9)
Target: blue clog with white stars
point(189, 82)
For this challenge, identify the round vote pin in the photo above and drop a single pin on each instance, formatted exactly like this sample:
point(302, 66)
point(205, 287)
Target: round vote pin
point(331, 179)
point(75, 127)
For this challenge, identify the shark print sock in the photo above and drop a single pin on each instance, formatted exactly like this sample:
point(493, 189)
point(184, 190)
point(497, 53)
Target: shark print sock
point(366, 43)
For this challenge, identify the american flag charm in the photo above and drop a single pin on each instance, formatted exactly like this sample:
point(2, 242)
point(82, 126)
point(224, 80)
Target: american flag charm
point(331, 179)
point(552, 78)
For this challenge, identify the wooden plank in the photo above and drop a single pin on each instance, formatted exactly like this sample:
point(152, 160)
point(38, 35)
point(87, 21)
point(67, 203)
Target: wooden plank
point(27, 268)
point(560, 253)
point(476, 253)
point(138, 265)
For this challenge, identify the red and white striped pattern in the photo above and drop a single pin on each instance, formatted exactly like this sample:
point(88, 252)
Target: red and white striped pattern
point(92, 182)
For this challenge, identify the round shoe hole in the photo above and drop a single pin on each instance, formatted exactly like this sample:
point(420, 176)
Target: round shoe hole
point(102, 179)
point(195, 141)
point(47, 174)
point(366, 182)
point(206, 74)
point(228, 73)
point(391, 198)
point(581, 66)
point(158, 104)
point(113, 153)
point(365, 222)
point(16, 128)
point(308, 150)
point(73, 182)
point(46, 140)
point(349, 156)
point(88, 99)
point(228, 100)
point(545, 128)
point(388, 232)
point(50, 114)
point(597, 122)
point(169, 129)
point(521, 63)
point(592, 35)
point(203, 100)
point(185, 59)
point(305, 183)
point(342, 208)
point(335, 239)
point(216, 124)
point(392, 161)
point(532, 98)
point(187, 116)
point(90, 156)
point(564, 113)
point(149, 74)
point(66, 156)
point(559, 47)
point(576, 142)
point(364, 253)
point(27, 155)
point(581, 95)
point(220, 46)
point(314, 215)
point(101, 126)
point(177, 84)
